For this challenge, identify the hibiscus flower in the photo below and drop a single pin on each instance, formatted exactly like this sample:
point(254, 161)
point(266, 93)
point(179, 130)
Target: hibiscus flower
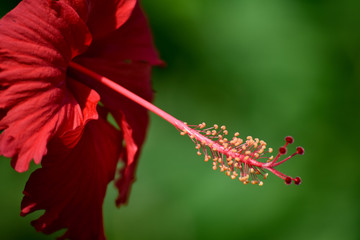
point(52, 114)
point(65, 67)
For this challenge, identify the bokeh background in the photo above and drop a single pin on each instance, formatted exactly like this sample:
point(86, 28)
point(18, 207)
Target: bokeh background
point(264, 68)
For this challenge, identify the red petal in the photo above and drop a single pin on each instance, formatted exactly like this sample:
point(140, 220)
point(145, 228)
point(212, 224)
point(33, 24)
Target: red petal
point(132, 41)
point(71, 184)
point(37, 40)
point(106, 16)
point(131, 117)
point(134, 134)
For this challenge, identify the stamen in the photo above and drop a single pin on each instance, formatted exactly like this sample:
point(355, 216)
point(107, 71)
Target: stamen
point(243, 159)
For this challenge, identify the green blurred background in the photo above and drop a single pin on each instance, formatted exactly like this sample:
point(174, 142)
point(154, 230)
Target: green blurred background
point(264, 68)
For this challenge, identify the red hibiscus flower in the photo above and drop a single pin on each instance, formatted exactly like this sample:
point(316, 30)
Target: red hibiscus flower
point(56, 61)
point(50, 113)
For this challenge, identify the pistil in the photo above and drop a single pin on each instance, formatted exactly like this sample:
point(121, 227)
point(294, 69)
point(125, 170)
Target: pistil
point(236, 157)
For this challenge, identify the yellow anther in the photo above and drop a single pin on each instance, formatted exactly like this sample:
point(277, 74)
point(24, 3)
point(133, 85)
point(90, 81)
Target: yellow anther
point(245, 182)
point(271, 158)
point(229, 158)
point(220, 160)
point(243, 147)
point(208, 132)
point(183, 133)
point(257, 172)
point(244, 178)
point(249, 137)
point(247, 152)
point(216, 126)
point(256, 155)
point(215, 159)
point(199, 153)
point(270, 150)
point(233, 177)
point(261, 183)
point(228, 173)
point(246, 158)
point(236, 134)
point(254, 182)
point(213, 132)
point(266, 175)
point(226, 132)
point(198, 146)
point(203, 142)
point(223, 127)
point(192, 136)
point(237, 159)
point(230, 163)
point(214, 167)
point(185, 123)
point(236, 165)
point(252, 170)
point(225, 139)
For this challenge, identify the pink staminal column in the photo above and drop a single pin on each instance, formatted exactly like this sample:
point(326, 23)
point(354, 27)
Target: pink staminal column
point(245, 160)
